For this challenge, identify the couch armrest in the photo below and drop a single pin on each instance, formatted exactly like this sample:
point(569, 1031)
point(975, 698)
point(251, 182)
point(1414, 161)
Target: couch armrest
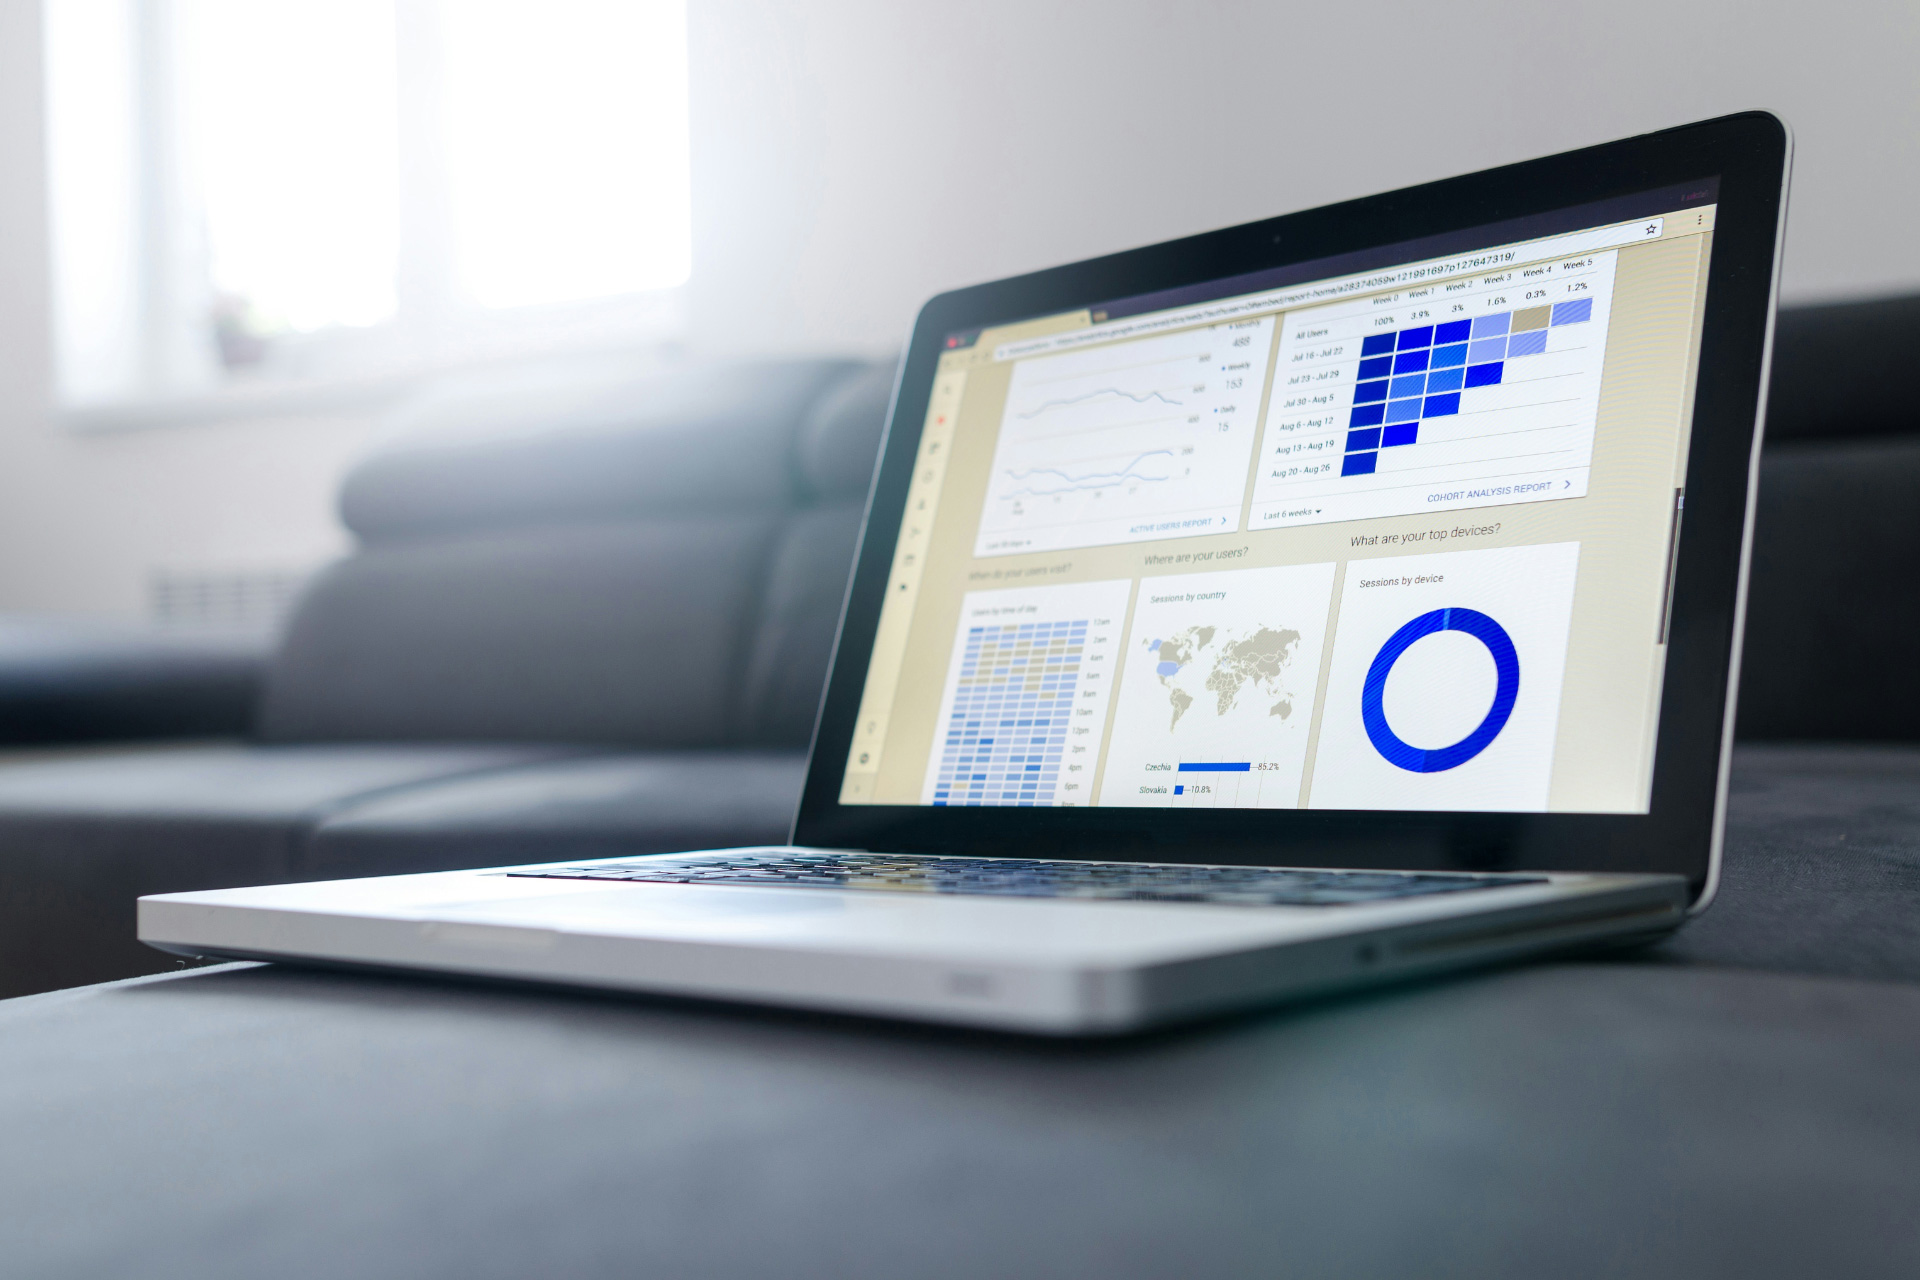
point(68, 679)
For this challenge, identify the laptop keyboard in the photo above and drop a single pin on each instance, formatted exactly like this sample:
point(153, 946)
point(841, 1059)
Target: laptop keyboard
point(1035, 878)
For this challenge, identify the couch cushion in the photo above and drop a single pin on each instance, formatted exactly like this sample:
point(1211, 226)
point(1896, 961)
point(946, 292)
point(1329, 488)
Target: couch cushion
point(697, 440)
point(68, 679)
point(630, 632)
point(1830, 367)
point(553, 811)
point(1831, 618)
point(839, 440)
point(84, 834)
point(786, 666)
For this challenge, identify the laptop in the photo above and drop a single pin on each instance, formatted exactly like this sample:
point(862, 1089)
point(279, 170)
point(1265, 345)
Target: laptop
point(1340, 598)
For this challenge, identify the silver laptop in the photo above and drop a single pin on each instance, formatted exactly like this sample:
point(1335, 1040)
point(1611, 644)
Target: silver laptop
point(1339, 598)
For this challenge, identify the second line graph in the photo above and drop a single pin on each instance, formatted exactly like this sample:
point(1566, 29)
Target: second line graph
point(1130, 441)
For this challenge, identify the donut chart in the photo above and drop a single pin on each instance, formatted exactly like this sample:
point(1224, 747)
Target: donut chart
point(1506, 664)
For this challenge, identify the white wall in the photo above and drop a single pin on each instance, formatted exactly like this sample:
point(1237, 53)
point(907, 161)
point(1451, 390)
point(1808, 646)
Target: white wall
point(854, 156)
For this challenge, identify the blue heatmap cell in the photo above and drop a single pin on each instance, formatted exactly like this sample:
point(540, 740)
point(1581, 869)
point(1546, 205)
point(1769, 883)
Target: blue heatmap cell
point(1527, 344)
point(1575, 312)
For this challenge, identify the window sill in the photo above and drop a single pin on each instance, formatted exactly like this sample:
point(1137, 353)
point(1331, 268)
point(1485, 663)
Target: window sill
point(359, 372)
point(278, 399)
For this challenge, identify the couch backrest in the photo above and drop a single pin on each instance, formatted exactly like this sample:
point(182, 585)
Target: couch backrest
point(660, 561)
point(1830, 649)
point(653, 561)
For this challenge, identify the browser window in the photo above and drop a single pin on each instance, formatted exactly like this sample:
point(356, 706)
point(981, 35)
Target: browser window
point(1393, 531)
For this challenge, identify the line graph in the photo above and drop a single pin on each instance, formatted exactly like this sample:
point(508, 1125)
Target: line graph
point(1091, 479)
point(1143, 398)
point(1127, 442)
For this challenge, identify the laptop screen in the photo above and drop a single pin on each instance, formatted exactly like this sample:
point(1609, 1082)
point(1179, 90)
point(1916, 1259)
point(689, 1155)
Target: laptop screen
point(1393, 531)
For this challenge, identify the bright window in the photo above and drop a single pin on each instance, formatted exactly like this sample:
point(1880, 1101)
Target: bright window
point(278, 192)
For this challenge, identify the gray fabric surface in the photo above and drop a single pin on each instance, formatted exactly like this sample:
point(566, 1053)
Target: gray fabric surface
point(1821, 873)
point(588, 807)
point(81, 837)
point(1566, 1121)
point(71, 679)
point(792, 647)
point(686, 441)
point(631, 633)
point(1830, 622)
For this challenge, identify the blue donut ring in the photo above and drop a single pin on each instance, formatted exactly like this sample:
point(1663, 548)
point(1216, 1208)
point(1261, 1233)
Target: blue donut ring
point(1506, 665)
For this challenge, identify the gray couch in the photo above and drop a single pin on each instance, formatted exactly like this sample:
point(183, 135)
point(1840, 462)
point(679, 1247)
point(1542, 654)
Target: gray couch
point(593, 618)
point(1738, 1101)
point(579, 623)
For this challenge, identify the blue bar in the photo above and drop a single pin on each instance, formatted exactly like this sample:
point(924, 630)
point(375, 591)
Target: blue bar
point(1412, 385)
point(1492, 326)
point(1368, 392)
point(1378, 367)
point(1359, 464)
point(1452, 331)
point(1447, 357)
point(1178, 789)
point(1368, 439)
point(1483, 375)
point(1241, 767)
point(1444, 380)
point(1403, 411)
point(1367, 415)
point(1442, 406)
point(1421, 337)
point(1410, 362)
point(1574, 312)
point(1377, 345)
point(1401, 433)
point(1486, 349)
point(1527, 344)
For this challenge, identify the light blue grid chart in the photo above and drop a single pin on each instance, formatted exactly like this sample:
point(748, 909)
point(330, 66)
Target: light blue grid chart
point(1007, 730)
point(1419, 373)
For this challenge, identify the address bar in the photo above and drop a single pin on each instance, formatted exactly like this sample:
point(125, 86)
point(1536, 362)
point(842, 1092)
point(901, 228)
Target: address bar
point(1513, 255)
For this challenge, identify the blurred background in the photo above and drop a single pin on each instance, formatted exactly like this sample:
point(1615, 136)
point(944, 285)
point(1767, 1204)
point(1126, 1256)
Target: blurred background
point(238, 237)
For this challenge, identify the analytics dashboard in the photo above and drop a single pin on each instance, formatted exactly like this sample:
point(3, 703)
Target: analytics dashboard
point(1398, 538)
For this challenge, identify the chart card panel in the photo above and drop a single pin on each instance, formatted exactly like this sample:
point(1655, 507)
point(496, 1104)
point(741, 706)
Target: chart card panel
point(1026, 696)
point(1128, 442)
point(1444, 689)
point(1216, 695)
point(1472, 393)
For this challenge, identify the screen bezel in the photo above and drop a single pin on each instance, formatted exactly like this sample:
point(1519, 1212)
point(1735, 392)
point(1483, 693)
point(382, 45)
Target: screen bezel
point(1680, 833)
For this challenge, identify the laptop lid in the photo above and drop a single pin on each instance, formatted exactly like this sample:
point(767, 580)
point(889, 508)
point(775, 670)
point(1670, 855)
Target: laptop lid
point(1409, 532)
